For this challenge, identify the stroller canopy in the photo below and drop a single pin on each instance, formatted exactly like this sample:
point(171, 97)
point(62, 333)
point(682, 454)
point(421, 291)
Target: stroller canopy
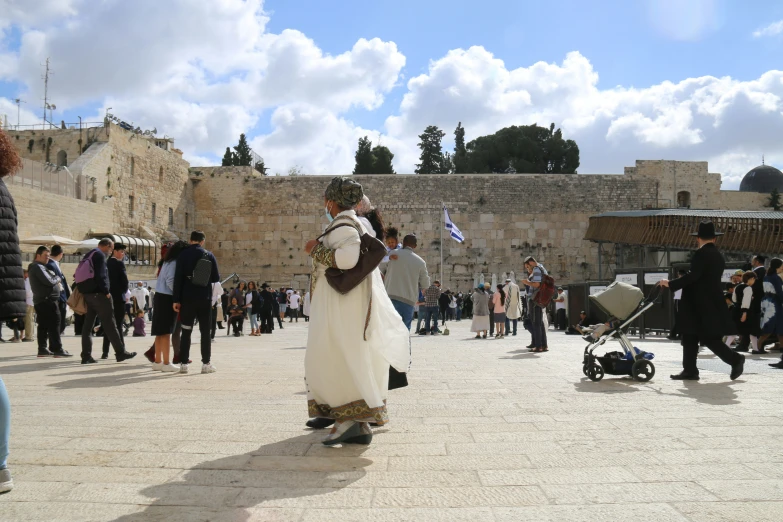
point(619, 300)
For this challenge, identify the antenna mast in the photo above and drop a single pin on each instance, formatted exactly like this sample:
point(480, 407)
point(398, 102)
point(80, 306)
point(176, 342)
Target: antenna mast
point(46, 90)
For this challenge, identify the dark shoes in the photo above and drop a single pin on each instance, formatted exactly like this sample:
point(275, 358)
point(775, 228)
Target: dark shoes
point(44, 353)
point(740, 349)
point(150, 354)
point(319, 423)
point(89, 360)
point(61, 353)
point(682, 376)
point(737, 369)
point(124, 356)
point(778, 365)
point(759, 352)
point(105, 356)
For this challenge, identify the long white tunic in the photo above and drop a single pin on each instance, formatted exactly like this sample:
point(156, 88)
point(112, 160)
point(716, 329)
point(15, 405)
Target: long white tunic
point(347, 376)
point(514, 306)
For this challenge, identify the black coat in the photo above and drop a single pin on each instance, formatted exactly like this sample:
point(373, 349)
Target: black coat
point(702, 309)
point(12, 295)
point(118, 279)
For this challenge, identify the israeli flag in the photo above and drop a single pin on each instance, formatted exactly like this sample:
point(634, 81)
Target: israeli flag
point(451, 227)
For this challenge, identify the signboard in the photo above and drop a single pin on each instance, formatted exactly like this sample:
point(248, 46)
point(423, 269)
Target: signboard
point(654, 277)
point(595, 289)
point(630, 279)
point(726, 277)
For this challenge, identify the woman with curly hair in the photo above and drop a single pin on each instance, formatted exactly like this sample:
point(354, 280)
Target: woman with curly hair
point(353, 338)
point(12, 294)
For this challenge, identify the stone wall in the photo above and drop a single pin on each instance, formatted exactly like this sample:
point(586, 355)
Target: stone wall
point(680, 183)
point(258, 226)
point(33, 144)
point(736, 200)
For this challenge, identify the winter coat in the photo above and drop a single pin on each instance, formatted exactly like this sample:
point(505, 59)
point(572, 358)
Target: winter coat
point(12, 293)
point(703, 309)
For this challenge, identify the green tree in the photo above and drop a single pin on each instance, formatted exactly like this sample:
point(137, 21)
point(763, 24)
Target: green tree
point(382, 160)
point(228, 158)
point(243, 154)
point(364, 157)
point(260, 167)
point(432, 161)
point(524, 149)
point(460, 157)
point(774, 200)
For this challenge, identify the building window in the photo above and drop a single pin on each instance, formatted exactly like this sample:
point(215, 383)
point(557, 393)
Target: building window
point(160, 176)
point(154, 208)
point(187, 221)
point(684, 199)
point(62, 159)
point(171, 216)
point(133, 166)
point(130, 206)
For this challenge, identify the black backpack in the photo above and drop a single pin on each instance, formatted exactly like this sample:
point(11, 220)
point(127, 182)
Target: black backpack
point(202, 272)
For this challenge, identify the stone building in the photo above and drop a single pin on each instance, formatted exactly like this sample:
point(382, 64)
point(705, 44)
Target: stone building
point(119, 182)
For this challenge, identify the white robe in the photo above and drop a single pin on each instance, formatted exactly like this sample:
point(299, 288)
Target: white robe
point(348, 377)
point(306, 305)
point(514, 305)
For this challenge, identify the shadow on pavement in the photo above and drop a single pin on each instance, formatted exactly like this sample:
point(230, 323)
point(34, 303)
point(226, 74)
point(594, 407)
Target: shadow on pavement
point(227, 489)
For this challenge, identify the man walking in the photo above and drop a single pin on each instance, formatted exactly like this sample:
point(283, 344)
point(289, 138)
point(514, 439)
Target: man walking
point(561, 318)
point(118, 287)
point(513, 305)
point(29, 319)
point(267, 307)
point(46, 287)
point(674, 334)
point(404, 274)
point(196, 270)
point(293, 306)
point(432, 309)
point(55, 257)
point(703, 315)
point(92, 280)
point(536, 273)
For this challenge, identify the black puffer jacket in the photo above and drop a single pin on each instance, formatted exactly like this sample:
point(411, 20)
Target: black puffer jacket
point(12, 294)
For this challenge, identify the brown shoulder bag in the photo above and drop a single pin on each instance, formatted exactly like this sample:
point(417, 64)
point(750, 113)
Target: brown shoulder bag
point(371, 253)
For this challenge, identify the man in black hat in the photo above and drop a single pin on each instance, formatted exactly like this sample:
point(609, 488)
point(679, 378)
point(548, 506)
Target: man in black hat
point(703, 315)
point(267, 307)
point(118, 285)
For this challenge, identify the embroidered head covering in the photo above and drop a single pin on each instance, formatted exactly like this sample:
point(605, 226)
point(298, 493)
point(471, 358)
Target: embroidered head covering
point(344, 191)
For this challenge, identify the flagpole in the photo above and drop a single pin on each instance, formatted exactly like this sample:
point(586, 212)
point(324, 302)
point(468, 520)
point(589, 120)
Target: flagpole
point(443, 225)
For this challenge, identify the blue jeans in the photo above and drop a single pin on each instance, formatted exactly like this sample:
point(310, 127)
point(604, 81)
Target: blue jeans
point(432, 315)
point(5, 424)
point(537, 329)
point(508, 324)
point(459, 314)
point(405, 311)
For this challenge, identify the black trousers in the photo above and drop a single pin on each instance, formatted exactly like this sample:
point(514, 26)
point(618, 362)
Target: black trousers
point(237, 323)
point(213, 328)
point(63, 310)
point(48, 314)
point(561, 320)
point(119, 314)
point(98, 305)
point(267, 321)
point(279, 321)
point(690, 351)
point(192, 310)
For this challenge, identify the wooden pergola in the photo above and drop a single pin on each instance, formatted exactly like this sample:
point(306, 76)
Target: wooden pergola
point(744, 232)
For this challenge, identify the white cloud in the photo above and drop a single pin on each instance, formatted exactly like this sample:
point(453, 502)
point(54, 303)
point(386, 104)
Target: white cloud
point(772, 29)
point(695, 119)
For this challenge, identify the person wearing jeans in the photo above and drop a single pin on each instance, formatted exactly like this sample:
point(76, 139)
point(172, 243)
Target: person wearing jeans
point(46, 286)
point(404, 274)
point(6, 484)
point(193, 301)
point(432, 308)
point(536, 273)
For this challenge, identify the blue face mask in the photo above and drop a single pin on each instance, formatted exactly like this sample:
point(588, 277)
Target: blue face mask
point(328, 214)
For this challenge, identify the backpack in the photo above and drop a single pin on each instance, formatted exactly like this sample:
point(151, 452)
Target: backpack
point(85, 271)
point(202, 272)
point(546, 291)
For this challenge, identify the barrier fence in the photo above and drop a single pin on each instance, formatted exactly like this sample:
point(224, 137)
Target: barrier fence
point(55, 180)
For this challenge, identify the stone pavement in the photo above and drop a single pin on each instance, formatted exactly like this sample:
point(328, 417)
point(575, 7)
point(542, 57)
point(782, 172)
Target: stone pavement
point(486, 431)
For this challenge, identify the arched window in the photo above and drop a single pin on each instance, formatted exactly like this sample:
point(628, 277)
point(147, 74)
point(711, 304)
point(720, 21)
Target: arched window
point(160, 176)
point(133, 166)
point(684, 199)
point(62, 159)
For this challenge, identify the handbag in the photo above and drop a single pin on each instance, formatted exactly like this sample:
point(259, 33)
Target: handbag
point(77, 302)
point(371, 253)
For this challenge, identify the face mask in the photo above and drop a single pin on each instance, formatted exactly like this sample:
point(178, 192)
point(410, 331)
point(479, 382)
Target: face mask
point(328, 214)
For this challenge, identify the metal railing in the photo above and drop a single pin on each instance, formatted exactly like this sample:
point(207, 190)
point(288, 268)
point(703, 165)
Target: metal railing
point(53, 179)
point(53, 126)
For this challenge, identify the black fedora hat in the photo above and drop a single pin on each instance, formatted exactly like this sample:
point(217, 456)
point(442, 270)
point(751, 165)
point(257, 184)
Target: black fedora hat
point(707, 231)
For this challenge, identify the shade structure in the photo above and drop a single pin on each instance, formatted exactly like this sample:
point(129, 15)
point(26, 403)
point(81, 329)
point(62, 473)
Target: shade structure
point(49, 240)
point(87, 245)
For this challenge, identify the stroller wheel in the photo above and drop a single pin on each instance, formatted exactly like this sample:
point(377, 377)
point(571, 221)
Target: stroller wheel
point(595, 373)
point(584, 369)
point(643, 370)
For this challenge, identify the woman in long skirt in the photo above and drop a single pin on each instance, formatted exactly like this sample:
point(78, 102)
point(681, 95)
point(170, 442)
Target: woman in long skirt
point(480, 324)
point(353, 338)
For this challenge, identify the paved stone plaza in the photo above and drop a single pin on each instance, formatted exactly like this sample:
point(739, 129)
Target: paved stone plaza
point(486, 431)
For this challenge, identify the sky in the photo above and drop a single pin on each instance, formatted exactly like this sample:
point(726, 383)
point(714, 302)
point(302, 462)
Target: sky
point(305, 79)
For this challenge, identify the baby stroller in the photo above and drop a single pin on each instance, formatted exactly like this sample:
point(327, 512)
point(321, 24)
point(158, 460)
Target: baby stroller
point(623, 304)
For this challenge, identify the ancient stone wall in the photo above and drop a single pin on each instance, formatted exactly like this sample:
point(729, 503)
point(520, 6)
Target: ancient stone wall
point(45, 145)
point(680, 183)
point(258, 226)
point(736, 200)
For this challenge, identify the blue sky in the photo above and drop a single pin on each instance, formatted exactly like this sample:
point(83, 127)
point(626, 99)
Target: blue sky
point(637, 49)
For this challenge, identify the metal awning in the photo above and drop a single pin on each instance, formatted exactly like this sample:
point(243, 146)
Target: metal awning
point(744, 232)
point(140, 251)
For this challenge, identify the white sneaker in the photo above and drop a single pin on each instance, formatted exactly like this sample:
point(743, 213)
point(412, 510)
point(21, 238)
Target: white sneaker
point(173, 368)
point(183, 368)
point(208, 368)
point(157, 367)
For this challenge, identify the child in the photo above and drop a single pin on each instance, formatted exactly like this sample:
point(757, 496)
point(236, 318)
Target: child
point(237, 317)
point(744, 316)
point(139, 325)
